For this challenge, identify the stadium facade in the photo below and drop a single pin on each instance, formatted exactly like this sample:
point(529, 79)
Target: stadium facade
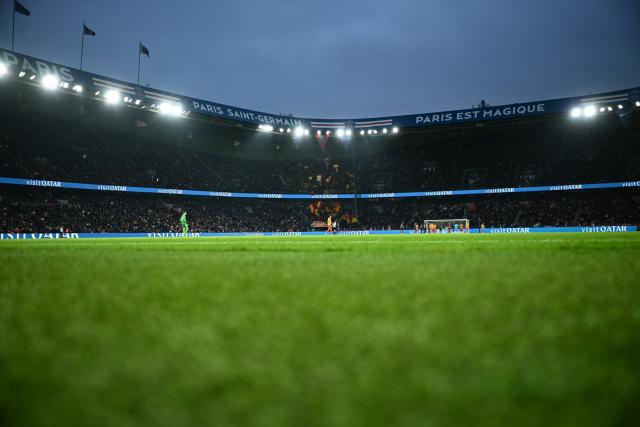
point(33, 70)
point(67, 131)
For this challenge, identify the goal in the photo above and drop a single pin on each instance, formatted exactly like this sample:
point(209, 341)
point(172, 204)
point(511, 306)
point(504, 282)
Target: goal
point(460, 225)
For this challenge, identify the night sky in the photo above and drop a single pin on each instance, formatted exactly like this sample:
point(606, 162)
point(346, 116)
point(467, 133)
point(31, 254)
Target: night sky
point(349, 58)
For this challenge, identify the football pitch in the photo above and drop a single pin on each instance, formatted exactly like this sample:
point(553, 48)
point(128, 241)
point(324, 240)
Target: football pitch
point(453, 330)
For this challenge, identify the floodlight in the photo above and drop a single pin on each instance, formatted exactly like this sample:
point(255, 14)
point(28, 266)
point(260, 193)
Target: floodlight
point(589, 111)
point(375, 131)
point(77, 88)
point(395, 130)
point(385, 131)
point(319, 132)
point(64, 85)
point(288, 130)
point(369, 132)
point(328, 133)
point(306, 132)
point(112, 96)
point(164, 108)
point(33, 76)
point(50, 82)
point(576, 112)
point(176, 110)
point(138, 101)
point(340, 133)
point(3, 69)
point(348, 132)
point(362, 132)
point(297, 132)
point(637, 103)
point(281, 130)
point(21, 74)
point(620, 106)
point(602, 109)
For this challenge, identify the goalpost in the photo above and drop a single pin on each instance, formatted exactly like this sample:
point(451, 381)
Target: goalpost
point(459, 225)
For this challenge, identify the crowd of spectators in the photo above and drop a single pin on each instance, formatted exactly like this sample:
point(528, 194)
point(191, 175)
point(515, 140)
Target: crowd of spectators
point(510, 210)
point(539, 153)
point(44, 210)
point(44, 148)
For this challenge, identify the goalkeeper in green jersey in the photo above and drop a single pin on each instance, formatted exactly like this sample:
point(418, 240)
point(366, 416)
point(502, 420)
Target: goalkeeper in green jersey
point(183, 223)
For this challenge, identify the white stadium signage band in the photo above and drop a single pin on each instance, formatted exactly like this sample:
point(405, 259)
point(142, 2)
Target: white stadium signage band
point(481, 114)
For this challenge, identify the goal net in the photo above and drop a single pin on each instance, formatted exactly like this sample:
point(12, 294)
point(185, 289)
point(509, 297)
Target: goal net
point(460, 225)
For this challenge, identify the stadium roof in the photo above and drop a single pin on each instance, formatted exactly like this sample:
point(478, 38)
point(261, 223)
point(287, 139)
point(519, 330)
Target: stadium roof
point(59, 77)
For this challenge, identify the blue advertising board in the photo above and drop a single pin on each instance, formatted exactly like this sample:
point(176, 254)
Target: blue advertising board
point(208, 193)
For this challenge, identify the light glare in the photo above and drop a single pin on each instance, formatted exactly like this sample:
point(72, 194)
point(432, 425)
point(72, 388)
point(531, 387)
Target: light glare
point(576, 112)
point(176, 110)
point(50, 82)
point(112, 96)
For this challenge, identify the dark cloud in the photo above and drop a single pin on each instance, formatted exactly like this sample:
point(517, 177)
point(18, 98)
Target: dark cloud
point(347, 58)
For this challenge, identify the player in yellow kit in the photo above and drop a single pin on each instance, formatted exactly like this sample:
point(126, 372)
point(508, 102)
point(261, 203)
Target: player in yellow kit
point(329, 225)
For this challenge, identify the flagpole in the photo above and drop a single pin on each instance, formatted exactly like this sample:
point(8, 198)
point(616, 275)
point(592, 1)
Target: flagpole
point(13, 28)
point(139, 43)
point(82, 46)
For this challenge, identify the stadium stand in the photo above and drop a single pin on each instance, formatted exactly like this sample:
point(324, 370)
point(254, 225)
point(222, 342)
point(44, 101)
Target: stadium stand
point(539, 153)
point(41, 210)
point(62, 137)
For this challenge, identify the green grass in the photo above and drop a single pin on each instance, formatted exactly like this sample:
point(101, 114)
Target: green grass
point(516, 330)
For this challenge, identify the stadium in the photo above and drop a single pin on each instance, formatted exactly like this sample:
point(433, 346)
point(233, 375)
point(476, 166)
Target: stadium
point(264, 173)
point(170, 260)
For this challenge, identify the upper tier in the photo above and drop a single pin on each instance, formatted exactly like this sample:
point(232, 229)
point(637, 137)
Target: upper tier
point(33, 70)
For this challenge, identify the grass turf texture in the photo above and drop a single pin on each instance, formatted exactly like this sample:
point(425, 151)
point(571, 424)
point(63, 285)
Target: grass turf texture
point(305, 331)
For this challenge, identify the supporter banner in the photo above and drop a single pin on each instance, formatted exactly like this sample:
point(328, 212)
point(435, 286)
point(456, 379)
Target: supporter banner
point(515, 230)
point(205, 193)
point(93, 83)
